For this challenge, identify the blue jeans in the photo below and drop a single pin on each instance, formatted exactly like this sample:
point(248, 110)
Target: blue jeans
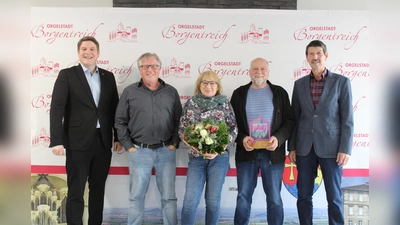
point(271, 175)
point(212, 173)
point(332, 175)
point(141, 164)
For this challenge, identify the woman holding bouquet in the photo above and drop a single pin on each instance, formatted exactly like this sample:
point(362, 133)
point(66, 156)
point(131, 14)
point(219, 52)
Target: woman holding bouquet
point(203, 118)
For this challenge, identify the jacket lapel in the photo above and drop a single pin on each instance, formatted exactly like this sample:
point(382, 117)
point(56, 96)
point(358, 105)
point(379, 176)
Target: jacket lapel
point(305, 88)
point(330, 81)
point(103, 85)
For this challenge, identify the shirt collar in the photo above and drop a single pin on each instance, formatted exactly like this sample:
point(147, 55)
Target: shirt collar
point(140, 83)
point(323, 75)
point(86, 69)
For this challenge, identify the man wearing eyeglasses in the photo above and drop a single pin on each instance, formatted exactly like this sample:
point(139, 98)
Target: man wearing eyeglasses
point(261, 99)
point(147, 120)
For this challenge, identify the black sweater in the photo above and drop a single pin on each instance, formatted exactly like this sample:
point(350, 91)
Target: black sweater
point(282, 124)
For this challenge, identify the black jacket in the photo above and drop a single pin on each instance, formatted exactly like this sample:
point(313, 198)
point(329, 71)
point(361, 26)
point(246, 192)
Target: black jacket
point(73, 112)
point(281, 127)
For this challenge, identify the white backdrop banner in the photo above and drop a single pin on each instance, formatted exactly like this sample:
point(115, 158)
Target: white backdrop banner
point(190, 41)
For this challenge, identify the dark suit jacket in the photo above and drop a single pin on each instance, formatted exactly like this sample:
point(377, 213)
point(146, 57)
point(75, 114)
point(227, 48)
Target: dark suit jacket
point(73, 112)
point(330, 126)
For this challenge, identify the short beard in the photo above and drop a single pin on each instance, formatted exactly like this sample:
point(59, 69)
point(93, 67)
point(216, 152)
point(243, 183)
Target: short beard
point(259, 82)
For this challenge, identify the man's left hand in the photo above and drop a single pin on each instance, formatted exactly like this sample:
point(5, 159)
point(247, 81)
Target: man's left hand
point(117, 146)
point(171, 147)
point(274, 143)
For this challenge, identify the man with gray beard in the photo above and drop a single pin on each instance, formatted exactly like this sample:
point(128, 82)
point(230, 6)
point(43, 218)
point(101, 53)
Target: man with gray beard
point(261, 99)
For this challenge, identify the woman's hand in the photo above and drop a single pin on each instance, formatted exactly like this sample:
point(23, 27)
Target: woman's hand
point(209, 155)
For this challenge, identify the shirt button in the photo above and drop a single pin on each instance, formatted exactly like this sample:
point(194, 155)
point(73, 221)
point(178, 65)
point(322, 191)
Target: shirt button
point(315, 116)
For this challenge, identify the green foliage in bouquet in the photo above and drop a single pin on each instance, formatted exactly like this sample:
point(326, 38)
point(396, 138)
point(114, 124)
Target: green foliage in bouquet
point(208, 136)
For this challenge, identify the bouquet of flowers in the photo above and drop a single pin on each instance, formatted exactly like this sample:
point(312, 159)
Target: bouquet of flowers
point(208, 136)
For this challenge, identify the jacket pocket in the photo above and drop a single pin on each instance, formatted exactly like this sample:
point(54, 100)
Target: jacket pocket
point(334, 131)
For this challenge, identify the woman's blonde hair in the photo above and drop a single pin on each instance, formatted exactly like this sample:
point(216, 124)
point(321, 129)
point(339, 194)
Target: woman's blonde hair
point(209, 74)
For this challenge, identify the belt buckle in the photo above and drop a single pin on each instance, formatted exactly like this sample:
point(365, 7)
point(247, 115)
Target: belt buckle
point(153, 146)
point(143, 145)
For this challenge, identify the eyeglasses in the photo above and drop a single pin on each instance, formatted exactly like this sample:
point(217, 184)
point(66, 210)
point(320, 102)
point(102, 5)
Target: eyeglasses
point(206, 83)
point(146, 67)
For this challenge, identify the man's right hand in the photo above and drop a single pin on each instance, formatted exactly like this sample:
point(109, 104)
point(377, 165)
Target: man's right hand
point(58, 150)
point(292, 156)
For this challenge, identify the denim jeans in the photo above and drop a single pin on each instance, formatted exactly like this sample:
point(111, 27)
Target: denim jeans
point(332, 176)
point(271, 176)
point(212, 173)
point(141, 164)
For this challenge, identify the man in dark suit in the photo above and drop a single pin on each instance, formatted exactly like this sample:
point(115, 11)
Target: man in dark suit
point(82, 114)
point(323, 136)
